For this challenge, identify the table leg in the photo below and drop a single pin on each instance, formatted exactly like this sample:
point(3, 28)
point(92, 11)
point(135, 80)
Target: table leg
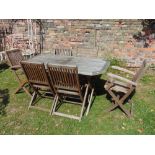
point(89, 79)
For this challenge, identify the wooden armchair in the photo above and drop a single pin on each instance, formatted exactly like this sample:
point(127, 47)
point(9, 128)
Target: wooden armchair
point(120, 88)
point(87, 52)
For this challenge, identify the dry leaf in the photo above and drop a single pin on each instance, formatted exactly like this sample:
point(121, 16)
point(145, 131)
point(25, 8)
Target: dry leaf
point(140, 130)
point(124, 124)
point(123, 127)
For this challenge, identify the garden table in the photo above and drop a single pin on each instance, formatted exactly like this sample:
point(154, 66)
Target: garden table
point(88, 67)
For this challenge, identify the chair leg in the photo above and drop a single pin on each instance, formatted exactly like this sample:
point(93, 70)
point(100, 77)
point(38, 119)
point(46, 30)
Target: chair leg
point(32, 99)
point(17, 90)
point(62, 114)
point(125, 110)
point(27, 92)
point(89, 102)
point(21, 85)
point(53, 110)
point(83, 103)
point(115, 105)
point(119, 102)
point(131, 108)
point(54, 104)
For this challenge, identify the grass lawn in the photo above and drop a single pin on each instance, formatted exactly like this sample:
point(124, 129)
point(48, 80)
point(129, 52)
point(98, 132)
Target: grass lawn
point(15, 118)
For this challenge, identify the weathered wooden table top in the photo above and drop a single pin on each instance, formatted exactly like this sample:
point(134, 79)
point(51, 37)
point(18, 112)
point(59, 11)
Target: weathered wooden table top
point(86, 66)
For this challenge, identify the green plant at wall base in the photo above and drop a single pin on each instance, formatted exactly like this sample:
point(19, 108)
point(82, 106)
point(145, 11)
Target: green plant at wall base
point(152, 92)
point(114, 61)
point(147, 78)
point(152, 66)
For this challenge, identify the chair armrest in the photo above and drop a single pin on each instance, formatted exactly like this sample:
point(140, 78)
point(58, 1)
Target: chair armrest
point(123, 70)
point(113, 76)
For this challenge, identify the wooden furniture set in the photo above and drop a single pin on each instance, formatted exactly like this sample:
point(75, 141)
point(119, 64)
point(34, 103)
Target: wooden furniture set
point(59, 76)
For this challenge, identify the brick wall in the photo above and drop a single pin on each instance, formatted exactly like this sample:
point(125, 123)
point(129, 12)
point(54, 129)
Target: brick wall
point(112, 37)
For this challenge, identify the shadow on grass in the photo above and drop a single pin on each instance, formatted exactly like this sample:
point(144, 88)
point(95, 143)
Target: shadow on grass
point(3, 66)
point(4, 100)
point(98, 84)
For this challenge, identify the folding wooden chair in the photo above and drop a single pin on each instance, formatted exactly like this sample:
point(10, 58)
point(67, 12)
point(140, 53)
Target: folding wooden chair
point(121, 89)
point(65, 81)
point(14, 58)
point(63, 52)
point(39, 81)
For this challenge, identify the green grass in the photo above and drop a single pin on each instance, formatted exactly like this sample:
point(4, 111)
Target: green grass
point(15, 118)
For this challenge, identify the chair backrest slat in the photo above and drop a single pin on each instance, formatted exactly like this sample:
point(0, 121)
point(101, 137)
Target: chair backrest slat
point(64, 52)
point(140, 71)
point(64, 77)
point(35, 73)
point(87, 52)
point(14, 56)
